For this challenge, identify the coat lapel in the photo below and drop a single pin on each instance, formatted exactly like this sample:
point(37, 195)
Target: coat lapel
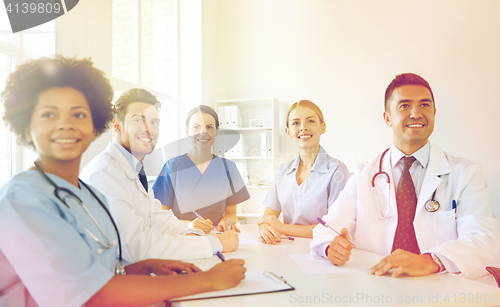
point(386, 193)
point(129, 172)
point(438, 165)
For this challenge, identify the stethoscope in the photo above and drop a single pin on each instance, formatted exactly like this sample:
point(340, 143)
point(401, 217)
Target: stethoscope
point(431, 205)
point(120, 269)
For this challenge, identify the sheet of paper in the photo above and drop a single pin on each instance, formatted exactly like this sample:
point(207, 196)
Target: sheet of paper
point(369, 259)
point(254, 282)
point(249, 238)
point(360, 261)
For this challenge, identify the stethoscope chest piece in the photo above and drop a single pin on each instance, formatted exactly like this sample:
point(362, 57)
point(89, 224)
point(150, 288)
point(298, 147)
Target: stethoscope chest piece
point(432, 205)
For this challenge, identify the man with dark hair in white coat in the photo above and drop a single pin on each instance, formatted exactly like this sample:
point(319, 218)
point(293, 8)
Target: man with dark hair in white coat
point(387, 205)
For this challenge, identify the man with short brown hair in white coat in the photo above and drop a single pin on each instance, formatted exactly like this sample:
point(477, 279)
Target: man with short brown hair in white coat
point(147, 230)
point(423, 209)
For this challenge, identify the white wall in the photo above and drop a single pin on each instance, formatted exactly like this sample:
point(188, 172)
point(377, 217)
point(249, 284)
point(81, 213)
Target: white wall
point(84, 32)
point(343, 54)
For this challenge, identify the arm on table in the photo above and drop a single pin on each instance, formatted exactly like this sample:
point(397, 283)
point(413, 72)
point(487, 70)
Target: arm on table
point(268, 233)
point(305, 231)
point(157, 237)
point(140, 290)
point(407, 263)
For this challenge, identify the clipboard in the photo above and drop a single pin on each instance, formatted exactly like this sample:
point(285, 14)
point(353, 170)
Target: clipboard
point(255, 282)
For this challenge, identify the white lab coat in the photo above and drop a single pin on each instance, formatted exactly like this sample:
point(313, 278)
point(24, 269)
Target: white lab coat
point(146, 230)
point(464, 241)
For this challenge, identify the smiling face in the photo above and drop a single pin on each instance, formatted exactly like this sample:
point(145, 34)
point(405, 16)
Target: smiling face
point(305, 127)
point(140, 129)
point(61, 126)
point(201, 130)
point(410, 113)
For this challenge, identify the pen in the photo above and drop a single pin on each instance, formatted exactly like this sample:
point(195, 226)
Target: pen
point(221, 256)
point(454, 205)
point(287, 238)
point(197, 215)
point(337, 232)
point(201, 217)
point(228, 224)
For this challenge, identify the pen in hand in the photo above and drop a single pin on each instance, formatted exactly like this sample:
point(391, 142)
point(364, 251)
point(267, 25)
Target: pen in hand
point(197, 215)
point(337, 232)
point(201, 217)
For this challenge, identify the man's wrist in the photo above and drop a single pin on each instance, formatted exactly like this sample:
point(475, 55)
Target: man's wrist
point(436, 261)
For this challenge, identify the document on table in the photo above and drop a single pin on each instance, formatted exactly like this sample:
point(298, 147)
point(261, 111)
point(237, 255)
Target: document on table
point(361, 261)
point(255, 282)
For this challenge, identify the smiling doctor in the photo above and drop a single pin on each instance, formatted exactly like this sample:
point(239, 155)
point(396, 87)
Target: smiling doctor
point(425, 209)
point(148, 231)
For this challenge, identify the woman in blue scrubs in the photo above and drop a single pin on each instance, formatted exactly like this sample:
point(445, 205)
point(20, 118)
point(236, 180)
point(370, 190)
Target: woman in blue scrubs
point(200, 181)
point(57, 242)
point(304, 188)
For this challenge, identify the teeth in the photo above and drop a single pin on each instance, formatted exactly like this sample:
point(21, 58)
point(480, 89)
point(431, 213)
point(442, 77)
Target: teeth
point(65, 141)
point(415, 125)
point(203, 141)
point(305, 137)
point(145, 139)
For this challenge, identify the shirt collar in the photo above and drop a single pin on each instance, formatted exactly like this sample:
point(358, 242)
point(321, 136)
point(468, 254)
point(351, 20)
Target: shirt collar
point(319, 166)
point(421, 155)
point(133, 161)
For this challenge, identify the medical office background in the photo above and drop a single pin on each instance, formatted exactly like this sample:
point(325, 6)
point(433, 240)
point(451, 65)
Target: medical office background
point(339, 54)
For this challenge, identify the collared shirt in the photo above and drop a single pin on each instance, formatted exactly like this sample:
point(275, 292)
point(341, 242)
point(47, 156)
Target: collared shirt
point(417, 173)
point(134, 162)
point(302, 204)
point(418, 168)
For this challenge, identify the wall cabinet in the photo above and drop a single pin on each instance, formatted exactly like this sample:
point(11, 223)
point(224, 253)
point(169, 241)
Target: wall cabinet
point(248, 136)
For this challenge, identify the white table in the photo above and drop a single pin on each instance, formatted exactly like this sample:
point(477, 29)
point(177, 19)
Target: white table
point(349, 289)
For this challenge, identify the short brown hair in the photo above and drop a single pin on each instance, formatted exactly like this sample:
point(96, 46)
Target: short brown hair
point(36, 76)
point(307, 104)
point(406, 79)
point(131, 96)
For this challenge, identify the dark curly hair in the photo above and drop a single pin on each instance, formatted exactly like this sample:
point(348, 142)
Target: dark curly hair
point(35, 76)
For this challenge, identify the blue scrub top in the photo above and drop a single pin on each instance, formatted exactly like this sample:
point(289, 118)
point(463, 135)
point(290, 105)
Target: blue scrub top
point(47, 258)
point(181, 187)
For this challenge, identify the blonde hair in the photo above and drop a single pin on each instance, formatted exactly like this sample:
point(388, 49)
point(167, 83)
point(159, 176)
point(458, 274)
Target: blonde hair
point(307, 104)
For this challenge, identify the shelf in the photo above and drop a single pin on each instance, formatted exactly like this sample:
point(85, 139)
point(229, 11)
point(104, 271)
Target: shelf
point(249, 129)
point(257, 141)
point(247, 158)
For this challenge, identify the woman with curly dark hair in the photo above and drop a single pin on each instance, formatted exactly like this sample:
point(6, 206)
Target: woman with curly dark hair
point(57, 239)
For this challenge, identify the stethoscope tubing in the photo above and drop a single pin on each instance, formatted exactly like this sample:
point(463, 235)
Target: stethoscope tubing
point(435, 204)
point(56, 193)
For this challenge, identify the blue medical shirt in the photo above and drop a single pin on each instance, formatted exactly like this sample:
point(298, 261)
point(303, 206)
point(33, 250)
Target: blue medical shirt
point(46, 254)
point(301, 205)
point(181, 187)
